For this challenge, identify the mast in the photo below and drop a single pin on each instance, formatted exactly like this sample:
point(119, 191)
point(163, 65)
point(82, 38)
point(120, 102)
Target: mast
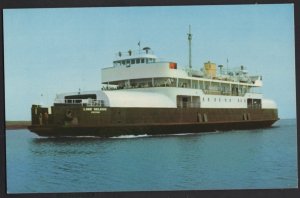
point(139, 44)
point(190, 47)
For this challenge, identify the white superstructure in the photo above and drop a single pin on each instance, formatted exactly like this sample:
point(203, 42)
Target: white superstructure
point(139, 79)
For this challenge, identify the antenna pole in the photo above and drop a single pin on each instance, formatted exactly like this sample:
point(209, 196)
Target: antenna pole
point(190, 47)
point(227, 65)
point(139, 44)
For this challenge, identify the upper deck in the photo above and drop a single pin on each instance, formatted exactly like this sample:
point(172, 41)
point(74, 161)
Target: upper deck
point(142, 69)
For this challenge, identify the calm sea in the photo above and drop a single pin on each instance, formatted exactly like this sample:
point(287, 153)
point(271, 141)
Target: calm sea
point(253, 159)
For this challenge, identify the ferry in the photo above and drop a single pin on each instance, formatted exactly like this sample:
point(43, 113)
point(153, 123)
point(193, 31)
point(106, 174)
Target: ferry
point(142, 94)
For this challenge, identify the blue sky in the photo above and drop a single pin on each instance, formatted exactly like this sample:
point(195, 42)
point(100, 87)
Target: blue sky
point(50, 51)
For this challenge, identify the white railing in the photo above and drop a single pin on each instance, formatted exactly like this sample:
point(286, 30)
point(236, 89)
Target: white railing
point(131, 53)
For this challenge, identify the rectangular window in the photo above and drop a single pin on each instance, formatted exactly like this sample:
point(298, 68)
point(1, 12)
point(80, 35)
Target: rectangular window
point(195, 101)
point(165, 82)
point(206, 85)
point(184, 101)
point(254, 103)
point(195, 84)
point(138, 61)
point(81, 96)
point(184, 83)
point(200, 84)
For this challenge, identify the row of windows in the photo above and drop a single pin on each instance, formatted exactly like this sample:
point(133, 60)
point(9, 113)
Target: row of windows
point(129, 62)
point(225, 100)
point(251, 103)
point(208, 87)
point(186, 101)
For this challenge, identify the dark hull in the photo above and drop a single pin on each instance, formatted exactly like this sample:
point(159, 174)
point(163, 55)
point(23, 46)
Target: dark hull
point(118, 130)
point(139, 121)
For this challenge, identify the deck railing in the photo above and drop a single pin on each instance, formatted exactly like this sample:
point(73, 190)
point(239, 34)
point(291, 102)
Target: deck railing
point(82, 102)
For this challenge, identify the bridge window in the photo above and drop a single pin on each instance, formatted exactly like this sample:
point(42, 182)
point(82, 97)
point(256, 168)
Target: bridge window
point(117, 63)
point(150, 60)
point(77, 99)
point(81, 96)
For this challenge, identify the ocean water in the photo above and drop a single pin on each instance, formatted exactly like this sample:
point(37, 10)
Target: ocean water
point(249, 159)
